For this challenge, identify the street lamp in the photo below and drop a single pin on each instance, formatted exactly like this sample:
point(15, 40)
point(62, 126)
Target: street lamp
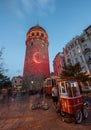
point(32, 84)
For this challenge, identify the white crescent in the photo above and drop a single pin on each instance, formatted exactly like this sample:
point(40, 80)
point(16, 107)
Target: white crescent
point(35, 59)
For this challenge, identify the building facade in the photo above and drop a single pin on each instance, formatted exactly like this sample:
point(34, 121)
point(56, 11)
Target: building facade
point(79, 50)
point(16, 81)
point(36, 64)
point(58, 64)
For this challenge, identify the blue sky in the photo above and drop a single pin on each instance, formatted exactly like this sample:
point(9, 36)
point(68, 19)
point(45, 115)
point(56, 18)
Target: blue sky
point(62, 20)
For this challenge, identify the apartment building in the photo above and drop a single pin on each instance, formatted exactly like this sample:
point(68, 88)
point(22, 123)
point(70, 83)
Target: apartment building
point(79, 50)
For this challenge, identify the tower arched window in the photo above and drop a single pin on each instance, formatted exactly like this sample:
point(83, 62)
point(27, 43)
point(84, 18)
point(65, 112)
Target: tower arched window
point(31, 43)
point(43, 44)
point(42, 34)
point(32, 34)
point(37, 34)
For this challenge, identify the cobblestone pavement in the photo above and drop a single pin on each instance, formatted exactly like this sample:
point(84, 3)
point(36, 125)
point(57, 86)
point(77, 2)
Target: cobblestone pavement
point(17, 115)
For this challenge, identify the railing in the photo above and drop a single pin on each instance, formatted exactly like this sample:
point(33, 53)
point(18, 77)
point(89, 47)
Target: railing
point(89, 60)
point(87, 50)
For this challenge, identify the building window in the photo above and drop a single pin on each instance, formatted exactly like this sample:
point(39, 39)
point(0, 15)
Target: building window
point(32, 34)
point(72, 61)
point(83, 68)
point(81, 58)
point(20, 81)
point(89, 57)
point(37, 34)
point(66, 51)
point(76, 60)
point(43, 44)
point(76, 42)
point(74, 52)
point(68, 48)
point(68, 60)
point(42, 34)
point(72, 46)
point(15, 81)
point(85, 46)
point(31, 43)
point(82, 39)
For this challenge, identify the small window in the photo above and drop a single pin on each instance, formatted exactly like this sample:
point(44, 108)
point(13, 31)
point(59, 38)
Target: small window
point(15, 81)
point(37, 34)
point(82, 39)
point(32, 34)
point(89, 57)
point(20, 81)
point(68, 60)
point(72, 45)
point(81, 58)
point(43, 44)
point(74, 52)
point(31, 43)
point(75, 89)
point(76, 42)
point(68, 89)
point(85, 46)
point(63, 89)
point(76, 60)
point(42, 34)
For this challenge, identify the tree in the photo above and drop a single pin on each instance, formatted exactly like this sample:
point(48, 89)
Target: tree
point(4, 80)
point(75, 71)
point(2, 69)
point(1, 64)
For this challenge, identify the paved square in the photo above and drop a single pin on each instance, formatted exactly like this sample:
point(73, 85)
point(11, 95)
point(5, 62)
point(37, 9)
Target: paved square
point(17, 115)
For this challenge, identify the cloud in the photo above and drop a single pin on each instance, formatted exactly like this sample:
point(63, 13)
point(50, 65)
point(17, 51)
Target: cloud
point(42, 3)
point(46, 5)
point(28, 7)
point(19, 71)
point(19, 13)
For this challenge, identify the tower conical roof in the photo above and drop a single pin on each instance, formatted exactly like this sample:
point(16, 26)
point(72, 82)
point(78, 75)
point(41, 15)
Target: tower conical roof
point(36, 28)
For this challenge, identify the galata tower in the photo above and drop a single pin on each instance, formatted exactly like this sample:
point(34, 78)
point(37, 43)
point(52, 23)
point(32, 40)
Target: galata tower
point(36, 64)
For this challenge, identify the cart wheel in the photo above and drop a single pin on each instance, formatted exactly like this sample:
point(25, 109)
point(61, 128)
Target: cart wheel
point(62, 113)
point(85, 113)
point(78, 116)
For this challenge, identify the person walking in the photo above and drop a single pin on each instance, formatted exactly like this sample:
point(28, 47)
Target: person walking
point(55, 96)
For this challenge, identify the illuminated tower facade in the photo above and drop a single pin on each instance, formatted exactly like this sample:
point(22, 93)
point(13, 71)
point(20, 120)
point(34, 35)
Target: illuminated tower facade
point(36, 64)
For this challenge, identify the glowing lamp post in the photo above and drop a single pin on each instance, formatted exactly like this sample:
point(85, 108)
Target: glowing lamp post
point(32, 84)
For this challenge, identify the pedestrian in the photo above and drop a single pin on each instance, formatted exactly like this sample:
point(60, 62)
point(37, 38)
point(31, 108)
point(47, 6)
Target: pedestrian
point(55, 96)
point(41, 92)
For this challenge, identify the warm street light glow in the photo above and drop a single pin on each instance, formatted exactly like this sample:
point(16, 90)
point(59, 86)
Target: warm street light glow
point(32, 82)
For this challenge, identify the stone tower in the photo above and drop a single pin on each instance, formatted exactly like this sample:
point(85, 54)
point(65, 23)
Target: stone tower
point(36, 64)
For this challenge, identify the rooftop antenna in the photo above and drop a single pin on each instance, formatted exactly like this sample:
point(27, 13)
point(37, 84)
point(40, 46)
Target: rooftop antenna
point(37, 22)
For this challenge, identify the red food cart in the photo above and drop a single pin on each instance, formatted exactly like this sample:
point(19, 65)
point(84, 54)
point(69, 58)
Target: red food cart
point(48, 86)
point(70, 100)
point(49, 83)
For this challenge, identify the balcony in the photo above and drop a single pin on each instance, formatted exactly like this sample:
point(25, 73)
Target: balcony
point(89, 60)
point(86, 50)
